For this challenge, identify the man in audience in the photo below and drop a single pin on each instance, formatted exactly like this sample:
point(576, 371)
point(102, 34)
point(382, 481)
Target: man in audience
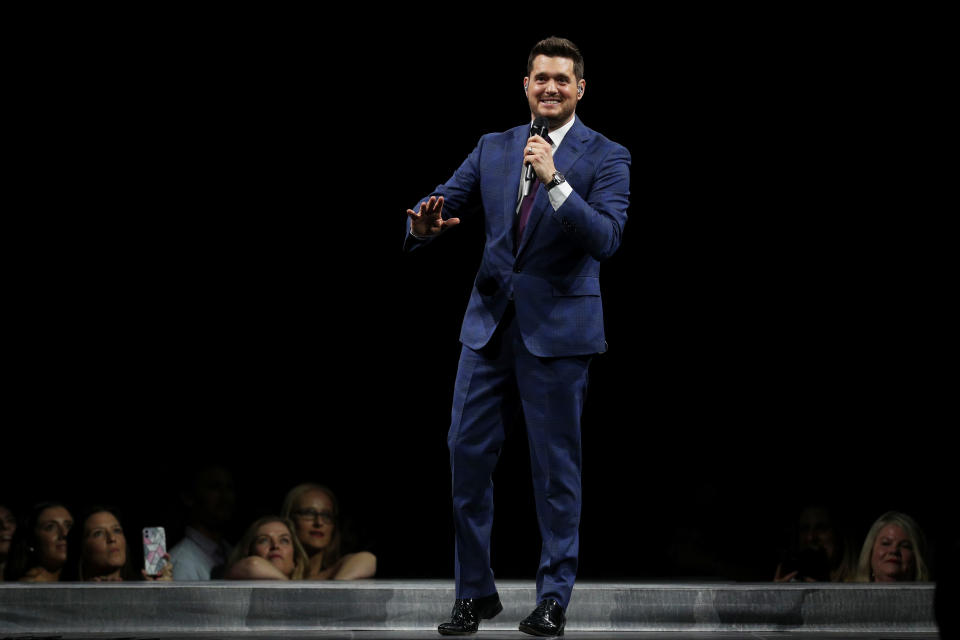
point(210, 499)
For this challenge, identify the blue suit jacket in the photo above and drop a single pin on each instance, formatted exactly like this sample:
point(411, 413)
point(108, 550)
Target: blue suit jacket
point(554, 277)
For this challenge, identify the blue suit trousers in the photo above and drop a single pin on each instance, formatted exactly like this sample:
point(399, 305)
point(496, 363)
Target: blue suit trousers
point(492, 385)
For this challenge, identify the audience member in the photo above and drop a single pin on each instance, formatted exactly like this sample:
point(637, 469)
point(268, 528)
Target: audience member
point(99, 551)
point(269, 550)
point(210, 499)
point(315, 512)
point(38, 550)
point(893, 551)
point(821, 549)
point(8, 525)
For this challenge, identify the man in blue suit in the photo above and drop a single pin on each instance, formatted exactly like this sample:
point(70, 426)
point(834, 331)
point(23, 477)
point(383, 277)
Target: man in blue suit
point(533, 323)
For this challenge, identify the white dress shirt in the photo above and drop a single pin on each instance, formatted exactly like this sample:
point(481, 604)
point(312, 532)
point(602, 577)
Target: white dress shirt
point(196, 556)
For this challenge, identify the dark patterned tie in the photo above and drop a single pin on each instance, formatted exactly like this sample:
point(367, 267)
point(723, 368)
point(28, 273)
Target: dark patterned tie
point(527, 205)
point(525, 208)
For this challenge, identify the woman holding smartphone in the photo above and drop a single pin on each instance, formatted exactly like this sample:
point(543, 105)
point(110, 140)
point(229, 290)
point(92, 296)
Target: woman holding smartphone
point(103, 554)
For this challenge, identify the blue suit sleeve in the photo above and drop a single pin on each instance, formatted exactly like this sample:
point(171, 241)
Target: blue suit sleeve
point(597, 222)
point(457, 192)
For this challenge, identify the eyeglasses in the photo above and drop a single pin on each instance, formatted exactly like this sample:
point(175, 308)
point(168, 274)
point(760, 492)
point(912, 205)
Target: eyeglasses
point(313, 514)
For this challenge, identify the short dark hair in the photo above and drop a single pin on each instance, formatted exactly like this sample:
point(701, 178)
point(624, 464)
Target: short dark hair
point(554, 47)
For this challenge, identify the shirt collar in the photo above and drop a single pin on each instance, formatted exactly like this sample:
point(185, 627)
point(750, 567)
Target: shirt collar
point(557, 135)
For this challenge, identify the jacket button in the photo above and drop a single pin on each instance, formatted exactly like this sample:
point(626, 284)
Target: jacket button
point(516, 269)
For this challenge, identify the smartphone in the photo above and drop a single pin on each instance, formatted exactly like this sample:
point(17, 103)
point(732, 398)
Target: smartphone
point(808, 563)
point(154, 548)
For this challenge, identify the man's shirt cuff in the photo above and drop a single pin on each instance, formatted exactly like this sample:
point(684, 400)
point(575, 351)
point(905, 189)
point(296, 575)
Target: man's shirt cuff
point(558, 195)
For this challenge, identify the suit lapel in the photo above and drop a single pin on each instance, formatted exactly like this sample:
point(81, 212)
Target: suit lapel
point(512, 165)
point(569, 151)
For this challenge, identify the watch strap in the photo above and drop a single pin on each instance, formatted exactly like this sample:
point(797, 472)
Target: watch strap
point(557, 179)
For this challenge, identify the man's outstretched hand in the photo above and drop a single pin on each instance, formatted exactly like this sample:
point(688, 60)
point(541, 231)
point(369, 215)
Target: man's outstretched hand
point(428, 221)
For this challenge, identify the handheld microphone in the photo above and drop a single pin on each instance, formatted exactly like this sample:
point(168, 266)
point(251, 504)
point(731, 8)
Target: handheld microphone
point(538, 128)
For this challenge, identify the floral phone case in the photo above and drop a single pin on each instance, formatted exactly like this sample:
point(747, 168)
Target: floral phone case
point(154, 548)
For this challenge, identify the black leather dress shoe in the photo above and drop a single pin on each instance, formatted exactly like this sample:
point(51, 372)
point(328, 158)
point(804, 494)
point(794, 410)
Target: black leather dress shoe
point(467, 614)
point(547, 620)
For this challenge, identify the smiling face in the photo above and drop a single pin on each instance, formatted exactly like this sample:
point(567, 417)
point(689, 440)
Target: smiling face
point(104, 545)
point(8, 525)
point(53, 525)
point(314, 519)
point(892, 559)
point(553, 89)
point(274, 542)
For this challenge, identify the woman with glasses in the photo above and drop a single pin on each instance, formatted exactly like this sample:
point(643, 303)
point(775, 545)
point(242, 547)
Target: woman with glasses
point(315, 513)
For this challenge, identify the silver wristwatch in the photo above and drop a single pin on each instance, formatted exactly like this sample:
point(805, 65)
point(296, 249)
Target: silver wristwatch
point(557, 179)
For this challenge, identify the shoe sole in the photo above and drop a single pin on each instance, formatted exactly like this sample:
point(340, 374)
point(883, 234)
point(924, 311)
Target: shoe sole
point(537, 632)
point(491, 614)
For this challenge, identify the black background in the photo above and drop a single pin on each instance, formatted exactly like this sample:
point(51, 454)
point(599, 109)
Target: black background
point(206, 263)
